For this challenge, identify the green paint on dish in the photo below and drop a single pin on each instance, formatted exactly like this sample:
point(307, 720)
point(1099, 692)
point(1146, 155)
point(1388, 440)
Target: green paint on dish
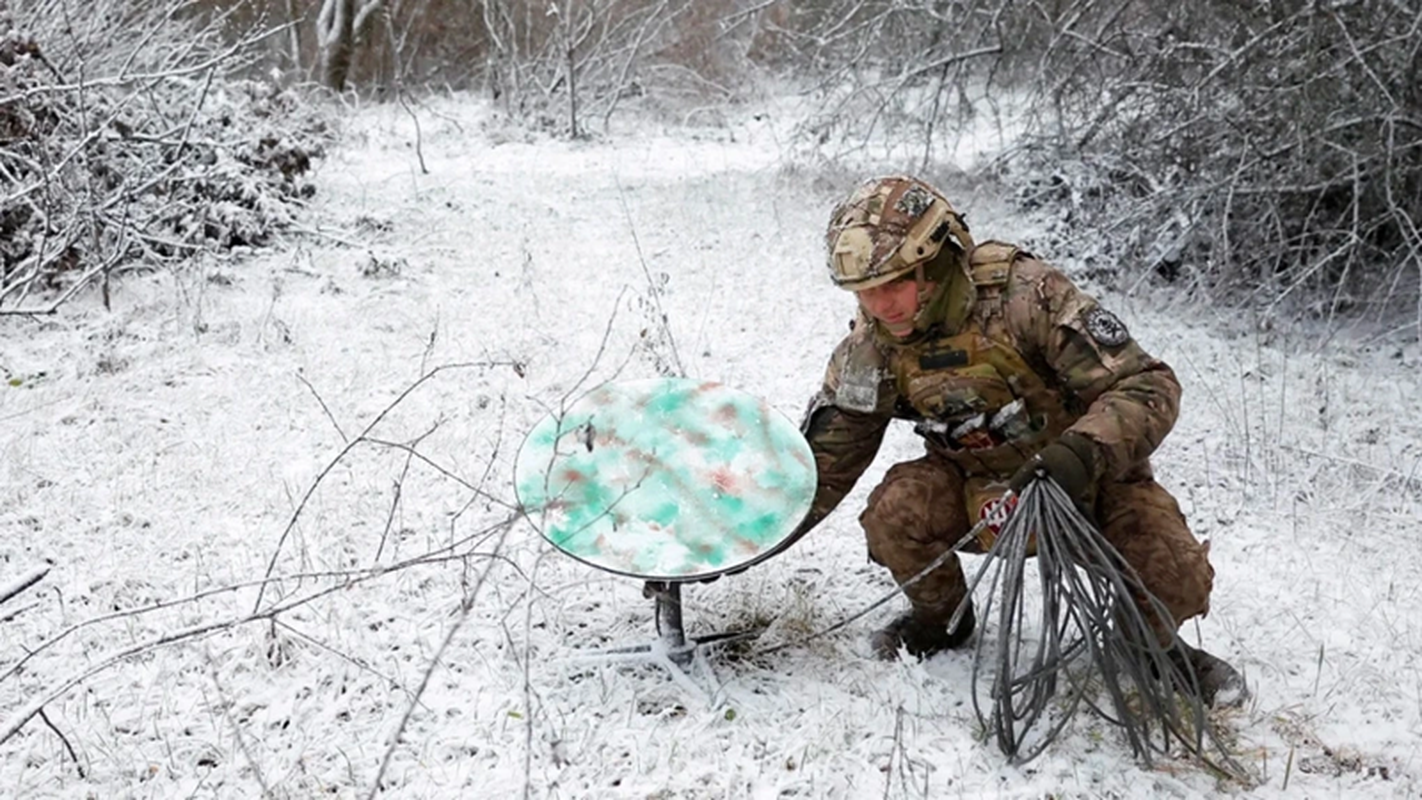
point(666, 478)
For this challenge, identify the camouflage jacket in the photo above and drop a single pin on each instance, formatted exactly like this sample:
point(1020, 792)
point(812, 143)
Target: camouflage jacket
point(1031, 357)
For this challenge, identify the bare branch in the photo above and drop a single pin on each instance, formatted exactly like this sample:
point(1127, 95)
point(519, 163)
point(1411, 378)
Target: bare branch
point(364, 436)
point(25, 581)
point(465, 607)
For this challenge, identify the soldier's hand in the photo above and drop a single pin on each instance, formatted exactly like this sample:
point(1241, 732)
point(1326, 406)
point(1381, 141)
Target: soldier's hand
point(1070, 461)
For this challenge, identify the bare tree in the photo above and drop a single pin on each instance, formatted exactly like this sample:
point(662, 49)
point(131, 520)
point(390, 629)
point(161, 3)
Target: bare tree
point(341, 27)
point(293, 18)
point(580, 59)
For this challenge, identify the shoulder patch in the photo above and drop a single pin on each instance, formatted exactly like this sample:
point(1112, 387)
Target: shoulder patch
point(858, 372)
point(1106, 328)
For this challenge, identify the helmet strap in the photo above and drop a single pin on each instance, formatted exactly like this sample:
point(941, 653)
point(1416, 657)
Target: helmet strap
point(924, 293)
point(952, 294)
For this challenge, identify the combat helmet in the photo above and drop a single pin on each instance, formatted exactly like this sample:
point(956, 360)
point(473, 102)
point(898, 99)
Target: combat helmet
point(892, 226)
point(886, 228)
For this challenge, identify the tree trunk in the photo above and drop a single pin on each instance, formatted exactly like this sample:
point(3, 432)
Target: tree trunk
point(294, 36)
point(335, 30)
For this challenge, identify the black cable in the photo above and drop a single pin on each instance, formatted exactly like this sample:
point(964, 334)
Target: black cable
point(1089, 625)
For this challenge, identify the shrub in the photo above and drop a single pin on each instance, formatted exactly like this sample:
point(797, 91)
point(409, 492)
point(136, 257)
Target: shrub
point(1266, 153)
point(128, 141)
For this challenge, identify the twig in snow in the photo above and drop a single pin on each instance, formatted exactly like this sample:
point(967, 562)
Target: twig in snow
point(357, 662)
point(67, 746)
point(400, 88)
point(31, 709)
point(465, 607)
point(563, 402)
point(345, 451)
point(201, 630)
point(324, 407)
point(662, 322)
point(226, 705)
point(399, 488)
point(347, 579)
point(528, 694)
point(23, 582)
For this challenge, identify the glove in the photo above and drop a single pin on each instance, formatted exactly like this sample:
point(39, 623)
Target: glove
point(1070, 461)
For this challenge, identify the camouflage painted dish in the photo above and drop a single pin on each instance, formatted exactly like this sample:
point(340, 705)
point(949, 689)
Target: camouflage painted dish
point(666, 479)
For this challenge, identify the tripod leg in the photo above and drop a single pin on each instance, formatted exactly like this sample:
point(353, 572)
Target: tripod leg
point(669, 623)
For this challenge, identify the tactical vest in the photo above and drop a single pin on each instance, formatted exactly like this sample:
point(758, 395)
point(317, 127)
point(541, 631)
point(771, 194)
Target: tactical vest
point(977, 401)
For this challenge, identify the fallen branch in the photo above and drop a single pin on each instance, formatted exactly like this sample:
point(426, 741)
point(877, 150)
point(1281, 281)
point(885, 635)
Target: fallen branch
point(192, 632)
point(24, 582)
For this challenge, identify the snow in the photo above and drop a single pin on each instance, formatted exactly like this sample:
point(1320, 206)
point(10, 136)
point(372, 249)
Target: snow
point(248, 416)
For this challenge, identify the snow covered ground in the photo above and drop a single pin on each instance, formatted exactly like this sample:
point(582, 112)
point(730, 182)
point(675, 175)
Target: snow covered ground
point(268, 417)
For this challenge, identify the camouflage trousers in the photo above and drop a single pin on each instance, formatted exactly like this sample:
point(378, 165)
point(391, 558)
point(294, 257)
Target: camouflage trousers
point(920, 510)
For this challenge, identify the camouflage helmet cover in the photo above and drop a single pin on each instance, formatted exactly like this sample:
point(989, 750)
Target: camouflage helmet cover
point(888, 226)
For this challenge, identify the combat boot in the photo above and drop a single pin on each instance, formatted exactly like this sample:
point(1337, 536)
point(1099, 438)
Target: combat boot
point(1220, 685)
point(922, 635)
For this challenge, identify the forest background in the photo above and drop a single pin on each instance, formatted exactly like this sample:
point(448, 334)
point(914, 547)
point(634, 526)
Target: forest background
point(266, 274)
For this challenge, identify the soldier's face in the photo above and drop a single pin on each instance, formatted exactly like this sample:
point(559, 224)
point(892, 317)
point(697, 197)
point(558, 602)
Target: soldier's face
point(894, 304)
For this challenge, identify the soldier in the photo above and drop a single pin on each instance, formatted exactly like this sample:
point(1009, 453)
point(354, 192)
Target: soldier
point(1005, 368)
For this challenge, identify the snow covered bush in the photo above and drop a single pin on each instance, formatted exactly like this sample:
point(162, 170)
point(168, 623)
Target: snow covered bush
point(1266, 153)
point(128, 140)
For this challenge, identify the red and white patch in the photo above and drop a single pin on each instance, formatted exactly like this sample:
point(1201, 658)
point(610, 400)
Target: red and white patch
point(997, 511)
